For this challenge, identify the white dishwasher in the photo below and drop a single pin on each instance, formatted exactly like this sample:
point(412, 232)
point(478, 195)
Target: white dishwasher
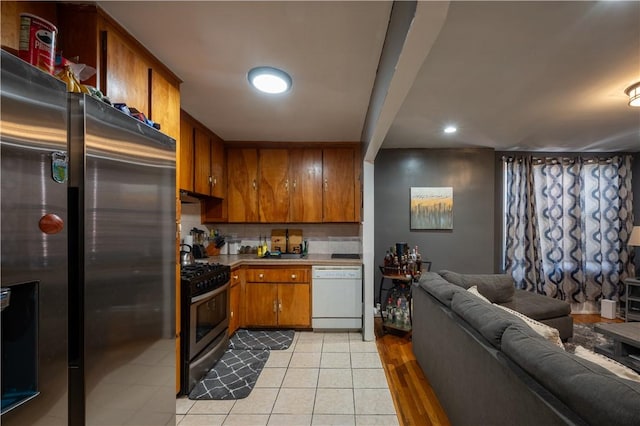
point(337, 297)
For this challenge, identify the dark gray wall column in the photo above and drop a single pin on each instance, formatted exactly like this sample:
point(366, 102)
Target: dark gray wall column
point(469, 246)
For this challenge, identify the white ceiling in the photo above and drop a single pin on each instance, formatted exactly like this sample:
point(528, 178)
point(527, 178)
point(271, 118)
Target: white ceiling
point(511, 75)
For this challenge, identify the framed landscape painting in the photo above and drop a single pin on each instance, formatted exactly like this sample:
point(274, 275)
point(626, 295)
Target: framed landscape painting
point(432, 207)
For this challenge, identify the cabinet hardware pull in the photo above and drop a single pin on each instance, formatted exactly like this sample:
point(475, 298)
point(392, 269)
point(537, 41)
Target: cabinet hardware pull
point(231, 314)
point(254, 184)
point(274, 306)
point(235, 277)
point(286, 185)
point(295, 184)
point(215, 181)
point(280, 306)
point(261, 276)
point(293, 276)
point(326, 184)
point(210, 180)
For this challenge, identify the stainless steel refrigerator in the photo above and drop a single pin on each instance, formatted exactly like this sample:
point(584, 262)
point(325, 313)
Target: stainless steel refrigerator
point(88, 230)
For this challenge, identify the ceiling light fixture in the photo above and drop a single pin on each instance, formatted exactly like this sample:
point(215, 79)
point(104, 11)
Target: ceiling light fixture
point(269, 80)
point(450, 129)
point(633, 92)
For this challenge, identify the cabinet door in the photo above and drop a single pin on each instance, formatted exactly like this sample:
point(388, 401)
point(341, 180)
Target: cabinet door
point(305, 182)
point(294, 305)
point(234, 308)
point(165, 105)
point(127, 74)
point(202, 165)
point(218, 187)
point(338, 180)
point(186, 154)
point(261, 304)
point(274, 185)
point(242, 187)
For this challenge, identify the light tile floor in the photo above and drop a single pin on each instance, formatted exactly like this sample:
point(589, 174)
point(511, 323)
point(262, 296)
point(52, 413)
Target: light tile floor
point(322, 379)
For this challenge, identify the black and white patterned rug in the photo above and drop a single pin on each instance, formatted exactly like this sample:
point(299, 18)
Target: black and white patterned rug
point(236, 373)
point(583, 335)
point(233, 376)
point(261, 339)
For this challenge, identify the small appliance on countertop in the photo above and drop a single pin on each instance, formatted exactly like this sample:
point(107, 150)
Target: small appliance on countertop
point(198, 249)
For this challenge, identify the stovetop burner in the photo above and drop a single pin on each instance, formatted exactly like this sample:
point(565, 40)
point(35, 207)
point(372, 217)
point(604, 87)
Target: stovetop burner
point(203, 277)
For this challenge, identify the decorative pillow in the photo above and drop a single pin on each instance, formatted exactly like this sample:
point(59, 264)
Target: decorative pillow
point(549, 333)
point(614, 366)
point(474, 290)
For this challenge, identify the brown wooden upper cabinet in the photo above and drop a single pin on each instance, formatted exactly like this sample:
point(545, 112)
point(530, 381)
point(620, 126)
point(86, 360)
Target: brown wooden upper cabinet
point(218, 178)
point(202, 162)
point(126, 71)
point(242, 185)
point(202, 153)
point(305, 176)
point(295, 185)
point(273, 189)
point(339, 185)
point(185, 179)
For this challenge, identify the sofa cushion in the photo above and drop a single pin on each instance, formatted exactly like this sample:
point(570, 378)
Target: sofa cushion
point(487, 319)
point(438, 287)
point(580, 384)
point(537, 306)
point(454, 278)
point(615, 367)
point(549, 333)
point(498, 288)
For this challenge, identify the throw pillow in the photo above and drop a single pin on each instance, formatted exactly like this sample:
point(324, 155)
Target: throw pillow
point(474, 290)
point(549, 333)
point(614, 366)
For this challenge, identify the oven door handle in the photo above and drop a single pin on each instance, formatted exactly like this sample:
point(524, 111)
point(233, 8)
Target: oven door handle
point(212, 293)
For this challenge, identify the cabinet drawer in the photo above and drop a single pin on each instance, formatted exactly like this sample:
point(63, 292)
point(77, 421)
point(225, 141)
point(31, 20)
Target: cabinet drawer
point(263, 275)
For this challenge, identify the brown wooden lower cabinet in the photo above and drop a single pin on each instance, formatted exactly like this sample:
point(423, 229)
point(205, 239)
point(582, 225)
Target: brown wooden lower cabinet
point(278, 305)
point(234, 308)
point(278, 297)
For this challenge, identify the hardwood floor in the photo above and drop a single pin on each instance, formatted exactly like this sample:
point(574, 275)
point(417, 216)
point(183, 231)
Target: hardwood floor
point(414, 399)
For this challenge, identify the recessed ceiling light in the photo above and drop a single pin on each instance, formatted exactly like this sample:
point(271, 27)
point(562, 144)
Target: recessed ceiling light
point(269, 80)
point(450, 129)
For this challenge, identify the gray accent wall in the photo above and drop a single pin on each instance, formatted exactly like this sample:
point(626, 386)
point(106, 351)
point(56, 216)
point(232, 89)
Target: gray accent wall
point(475, 243)
point(470, 246)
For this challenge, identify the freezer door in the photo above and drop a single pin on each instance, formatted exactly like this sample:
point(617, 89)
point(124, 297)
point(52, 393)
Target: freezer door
point(127, 239)
point(33, 272)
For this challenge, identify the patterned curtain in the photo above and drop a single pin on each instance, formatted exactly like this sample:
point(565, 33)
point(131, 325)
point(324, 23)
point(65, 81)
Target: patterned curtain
point(567, 226)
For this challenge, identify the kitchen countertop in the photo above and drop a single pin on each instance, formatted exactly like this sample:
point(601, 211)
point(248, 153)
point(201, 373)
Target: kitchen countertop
point(234, 260)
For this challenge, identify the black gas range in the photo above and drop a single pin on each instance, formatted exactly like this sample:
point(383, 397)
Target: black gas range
point(204, 319)
point(201, 278)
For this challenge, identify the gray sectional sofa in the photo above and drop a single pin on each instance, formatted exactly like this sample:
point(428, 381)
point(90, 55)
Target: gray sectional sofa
point(487, 367)
point(500, 289)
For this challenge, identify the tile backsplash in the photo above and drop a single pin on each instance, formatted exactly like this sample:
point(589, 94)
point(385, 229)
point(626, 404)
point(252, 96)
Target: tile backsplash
point(323, 238)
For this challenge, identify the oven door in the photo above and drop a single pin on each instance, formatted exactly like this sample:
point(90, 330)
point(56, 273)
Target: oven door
point(208, 318)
